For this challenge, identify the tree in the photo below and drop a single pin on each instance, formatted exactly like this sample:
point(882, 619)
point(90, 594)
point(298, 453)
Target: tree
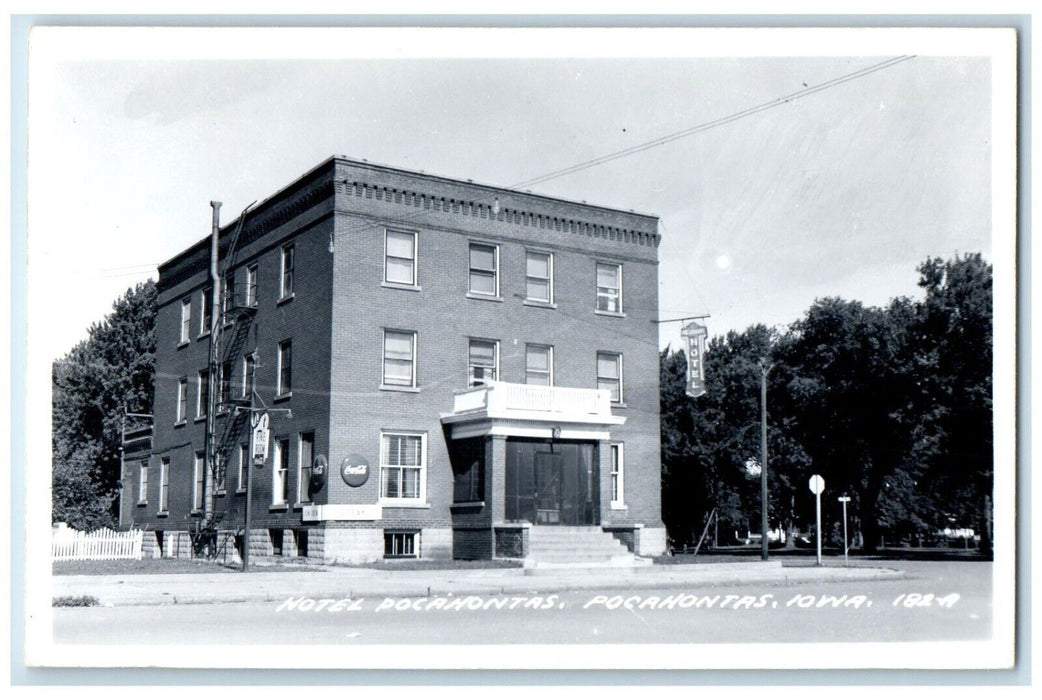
point(850, 397)
point(891, 405)
point(92, 386)
point(954, 358)
point(711, 445)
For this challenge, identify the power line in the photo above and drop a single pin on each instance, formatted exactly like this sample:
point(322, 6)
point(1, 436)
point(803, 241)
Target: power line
point(705, 126)
point(662, 140)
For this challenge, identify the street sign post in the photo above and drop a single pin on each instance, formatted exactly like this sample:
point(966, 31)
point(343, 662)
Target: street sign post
point(817, 485)
point(844, 500)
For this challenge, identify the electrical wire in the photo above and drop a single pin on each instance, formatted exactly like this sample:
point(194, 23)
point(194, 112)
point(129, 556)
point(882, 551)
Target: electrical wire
point(662, 140)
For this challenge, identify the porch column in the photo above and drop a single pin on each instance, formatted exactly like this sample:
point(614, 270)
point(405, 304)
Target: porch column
point(604, 480)
point(495, 477)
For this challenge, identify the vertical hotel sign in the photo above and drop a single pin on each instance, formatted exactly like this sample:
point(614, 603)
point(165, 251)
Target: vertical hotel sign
point(695, 335)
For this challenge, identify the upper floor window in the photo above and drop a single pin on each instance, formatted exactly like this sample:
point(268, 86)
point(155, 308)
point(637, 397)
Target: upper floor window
point(286, 283)
point(403, 465)
point(400, 257)
point(202, 394)
point(182, 399)
point(609, 287)
point(482, 361)
point(186, 319)
point(249, 368)
point(285, 381)
point(224, 385)
point(228, 293)
point(251, 286)
point(206, 312)
point(539, 365)
point(399, 358)
point(539, 277)
point(609, 374)
point(484, 269)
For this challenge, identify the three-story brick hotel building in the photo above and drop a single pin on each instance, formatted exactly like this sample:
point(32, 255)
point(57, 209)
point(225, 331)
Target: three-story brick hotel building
point(472, 363)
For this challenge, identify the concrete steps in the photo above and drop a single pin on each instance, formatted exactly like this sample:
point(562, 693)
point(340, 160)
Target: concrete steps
point(576, 548)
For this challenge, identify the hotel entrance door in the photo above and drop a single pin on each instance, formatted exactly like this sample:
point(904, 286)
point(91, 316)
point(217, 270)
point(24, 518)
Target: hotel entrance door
point(551, 483)
point(547, 488)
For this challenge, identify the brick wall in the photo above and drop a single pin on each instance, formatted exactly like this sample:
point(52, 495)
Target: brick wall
point(438, 310)
point(472, 543)
point(336, 321)
point(511, 541)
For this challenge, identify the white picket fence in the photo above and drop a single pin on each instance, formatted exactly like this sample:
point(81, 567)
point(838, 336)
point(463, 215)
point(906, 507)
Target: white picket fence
point(68, 544)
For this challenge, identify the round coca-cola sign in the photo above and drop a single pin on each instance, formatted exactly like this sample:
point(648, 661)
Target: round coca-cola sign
point(354, 470)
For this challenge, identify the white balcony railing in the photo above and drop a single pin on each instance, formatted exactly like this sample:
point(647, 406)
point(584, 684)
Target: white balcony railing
point(504, 398)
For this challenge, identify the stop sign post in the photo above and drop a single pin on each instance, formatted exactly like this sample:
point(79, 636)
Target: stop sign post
point(817, 485)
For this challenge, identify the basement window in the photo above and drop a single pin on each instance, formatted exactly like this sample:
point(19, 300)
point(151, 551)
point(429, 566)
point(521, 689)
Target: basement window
point(401, 544)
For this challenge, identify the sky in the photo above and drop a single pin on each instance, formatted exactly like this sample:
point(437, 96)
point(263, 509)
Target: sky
point(842, 192)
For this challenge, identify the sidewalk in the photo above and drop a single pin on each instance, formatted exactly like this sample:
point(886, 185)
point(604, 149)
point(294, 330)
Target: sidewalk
point(343, 582)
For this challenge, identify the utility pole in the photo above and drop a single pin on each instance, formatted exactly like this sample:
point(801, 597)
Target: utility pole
point(764, 370)
point(211, 373)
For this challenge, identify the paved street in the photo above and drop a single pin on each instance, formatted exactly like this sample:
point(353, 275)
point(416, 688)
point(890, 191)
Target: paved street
point(936, 601)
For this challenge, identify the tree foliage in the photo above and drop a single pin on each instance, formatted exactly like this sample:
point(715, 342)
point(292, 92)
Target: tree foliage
point(892, 406)
point(92, 386)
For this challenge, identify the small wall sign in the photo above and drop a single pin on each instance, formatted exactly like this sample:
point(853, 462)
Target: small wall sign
point(354, 470)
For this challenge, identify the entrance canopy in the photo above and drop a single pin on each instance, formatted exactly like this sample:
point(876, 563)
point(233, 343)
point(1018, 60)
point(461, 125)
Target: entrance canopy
point(533, 411)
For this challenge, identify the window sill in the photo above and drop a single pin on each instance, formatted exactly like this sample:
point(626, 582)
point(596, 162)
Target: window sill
point(163, 514)
point(401, 285)
point(142, 503)
point(299, 505)
point(181, 423)
point(199, 419)
point(240, 492)
point(539, 304)
point(613, 314)
point(619, 506)
point(183, 344)
point(468, 504)
point(285, 299)
point(618, 404)
point(484, 297)
point(196, 512)
point(283, 397)
point(404, 389)
point(220, 492)
point(203, 335)
point(390, 503)
point(278, 507)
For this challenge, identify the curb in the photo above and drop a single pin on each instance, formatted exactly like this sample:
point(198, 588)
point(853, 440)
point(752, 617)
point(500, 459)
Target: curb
point(509, 586)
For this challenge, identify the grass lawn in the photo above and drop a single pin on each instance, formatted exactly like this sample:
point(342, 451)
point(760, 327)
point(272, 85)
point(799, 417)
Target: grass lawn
point(134, 567)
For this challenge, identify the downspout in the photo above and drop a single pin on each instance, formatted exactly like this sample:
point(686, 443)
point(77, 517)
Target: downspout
point(211, 373)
